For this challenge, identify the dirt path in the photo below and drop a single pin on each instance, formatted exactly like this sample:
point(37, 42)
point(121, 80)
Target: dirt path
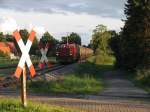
point(119, 88)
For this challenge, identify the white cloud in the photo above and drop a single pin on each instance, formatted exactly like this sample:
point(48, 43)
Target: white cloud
point(8, 24)
point(40, 30)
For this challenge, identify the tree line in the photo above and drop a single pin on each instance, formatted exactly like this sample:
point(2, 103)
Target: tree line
point(131, 46)
point(46, 38)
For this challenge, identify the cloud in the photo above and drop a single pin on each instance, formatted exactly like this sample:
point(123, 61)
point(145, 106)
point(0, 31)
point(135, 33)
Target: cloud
point(59, 24)
point(8, 24)
point(62, 16)
point(40, 30)
point(109, 8)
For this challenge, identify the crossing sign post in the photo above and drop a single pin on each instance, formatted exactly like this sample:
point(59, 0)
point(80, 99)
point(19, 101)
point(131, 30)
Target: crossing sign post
point(25, 53)
point(44, 59)
point(25, 59)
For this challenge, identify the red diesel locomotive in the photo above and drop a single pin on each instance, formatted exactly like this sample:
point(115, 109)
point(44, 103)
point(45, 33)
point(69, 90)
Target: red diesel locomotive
point(68, 53)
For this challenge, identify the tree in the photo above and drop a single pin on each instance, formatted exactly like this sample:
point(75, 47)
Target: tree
point(115, 45)
point(100, 40)
point(72, 38)
point(47, 38)
point(135, 35)
point(9, 38)
point(1, 36)
point(6, 38)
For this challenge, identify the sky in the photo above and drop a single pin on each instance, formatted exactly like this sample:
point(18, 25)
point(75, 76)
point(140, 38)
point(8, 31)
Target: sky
point(61, 17)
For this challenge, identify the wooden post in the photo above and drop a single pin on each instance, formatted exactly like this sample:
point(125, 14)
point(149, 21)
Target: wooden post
point(23, 87)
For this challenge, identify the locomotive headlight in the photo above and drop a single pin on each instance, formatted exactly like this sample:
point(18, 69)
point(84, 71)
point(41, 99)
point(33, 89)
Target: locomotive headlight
point(70, 54)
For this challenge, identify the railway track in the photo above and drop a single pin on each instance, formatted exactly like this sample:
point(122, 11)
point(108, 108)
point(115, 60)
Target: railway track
point(10, 80)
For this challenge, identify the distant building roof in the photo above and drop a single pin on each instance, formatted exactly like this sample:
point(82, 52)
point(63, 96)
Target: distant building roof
point(8, 47)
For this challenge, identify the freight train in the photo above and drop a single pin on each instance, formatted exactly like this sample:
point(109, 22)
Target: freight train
point(68, 53)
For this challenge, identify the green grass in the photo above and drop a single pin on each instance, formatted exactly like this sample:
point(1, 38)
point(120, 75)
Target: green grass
point(87, 79)
point(140, 80)
point(12, 105)
point(71, 84)
point(102, 60)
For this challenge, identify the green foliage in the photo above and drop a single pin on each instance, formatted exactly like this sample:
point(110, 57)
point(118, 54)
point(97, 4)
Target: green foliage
point(143, 76)
point(48, 38)
point(1, 36)
point(136, 35)
point(34, 47)
point(72, 38)
point(100, 59)
point(6, 38)
point(115, 45)
point(100, 40)
point(11, 105)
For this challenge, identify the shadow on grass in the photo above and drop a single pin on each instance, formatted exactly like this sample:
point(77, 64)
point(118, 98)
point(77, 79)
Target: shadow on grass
point(95, 70)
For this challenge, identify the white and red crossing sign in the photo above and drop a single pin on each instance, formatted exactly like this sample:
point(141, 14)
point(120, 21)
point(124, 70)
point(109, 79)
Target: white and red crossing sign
point(44, 58)
point(25, 58)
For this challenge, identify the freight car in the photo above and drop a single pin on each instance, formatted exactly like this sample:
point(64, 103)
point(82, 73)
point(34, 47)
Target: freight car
point(68, 53)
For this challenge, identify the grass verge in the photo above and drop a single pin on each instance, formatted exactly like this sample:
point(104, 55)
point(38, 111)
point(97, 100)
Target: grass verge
point(86, 79)
point(71, 84)
point(140, 80)
point(13, 105)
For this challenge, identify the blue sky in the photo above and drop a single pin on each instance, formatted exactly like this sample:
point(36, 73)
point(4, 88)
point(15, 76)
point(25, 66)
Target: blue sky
point(60, 17)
